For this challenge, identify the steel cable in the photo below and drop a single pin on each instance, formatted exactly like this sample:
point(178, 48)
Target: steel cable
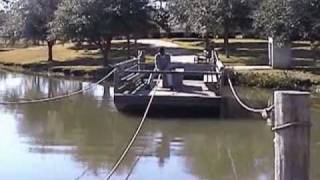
point(61, 96)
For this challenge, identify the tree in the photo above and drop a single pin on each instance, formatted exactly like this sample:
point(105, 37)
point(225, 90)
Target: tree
point(309, 17)
point(80, 20)
point(2, 18)
point(4, 3)
point(98, 21)
point(233, 15)
point(161, 14)
point(13, 27)
point(30, 19)
point(132, 19)
point(213, 16)
point(198, 16)
point(278, 19)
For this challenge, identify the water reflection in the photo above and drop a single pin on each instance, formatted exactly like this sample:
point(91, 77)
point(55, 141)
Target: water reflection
point(84, 136)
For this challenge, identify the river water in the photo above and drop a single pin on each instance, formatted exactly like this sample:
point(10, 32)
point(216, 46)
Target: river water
point(82, 137)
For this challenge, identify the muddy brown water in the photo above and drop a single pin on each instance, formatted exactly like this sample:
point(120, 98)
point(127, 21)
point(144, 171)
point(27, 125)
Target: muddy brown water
point(82, 137)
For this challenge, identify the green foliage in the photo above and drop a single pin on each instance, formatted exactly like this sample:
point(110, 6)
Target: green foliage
point(98, 21)
point(210, 16)
point(30, 19)
point(13, 27)
point(4, 4)
point(272, 81)
point(308, 12)
point(277, 19)
point(2, 17)
point(161, 15)
point(80, 19)
point(132, 17)
point(288, 20)
point(198, 16)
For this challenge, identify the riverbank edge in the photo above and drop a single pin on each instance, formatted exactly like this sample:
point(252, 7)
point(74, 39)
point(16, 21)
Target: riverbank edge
point(270, 80)
point(263, 79)
point(65, 73)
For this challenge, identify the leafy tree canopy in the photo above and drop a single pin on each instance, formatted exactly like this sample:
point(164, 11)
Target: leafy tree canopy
point(211, 15)
point(98, 21)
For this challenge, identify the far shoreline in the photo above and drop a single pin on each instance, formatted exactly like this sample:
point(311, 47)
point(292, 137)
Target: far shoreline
point(273, 80)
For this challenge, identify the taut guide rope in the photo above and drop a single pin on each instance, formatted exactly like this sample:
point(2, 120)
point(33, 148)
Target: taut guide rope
point(61, 96)
point(134, 137)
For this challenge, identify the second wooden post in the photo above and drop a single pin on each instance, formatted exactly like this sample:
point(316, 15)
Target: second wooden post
point(292, 135)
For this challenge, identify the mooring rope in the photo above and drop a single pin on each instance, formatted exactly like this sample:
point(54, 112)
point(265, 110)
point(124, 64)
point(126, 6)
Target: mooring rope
point(134, 137)
point(61, 96)
point(254, 110)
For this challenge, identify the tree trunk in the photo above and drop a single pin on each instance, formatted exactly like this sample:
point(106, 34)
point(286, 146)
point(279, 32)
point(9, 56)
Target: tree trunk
point(50, 47)
point(105, 54)
point(226, 38)
point(314, 47)
point(226, 18)
point(105, 48)
point(213, 45)
point(128, 45)
point(207, 42)
point(35, 42)
point(135, 45)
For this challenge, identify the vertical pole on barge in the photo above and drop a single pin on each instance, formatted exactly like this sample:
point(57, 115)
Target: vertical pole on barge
point(142, 59)
point(292, 135)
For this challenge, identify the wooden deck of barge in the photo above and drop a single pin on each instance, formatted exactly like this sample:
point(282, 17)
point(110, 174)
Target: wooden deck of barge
point(194, 94)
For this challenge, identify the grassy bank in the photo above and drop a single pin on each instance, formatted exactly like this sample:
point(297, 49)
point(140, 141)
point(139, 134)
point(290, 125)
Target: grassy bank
point(83, 61)
point(86, 61)
point(250, 51)
point(277, 79)
point(305, 75)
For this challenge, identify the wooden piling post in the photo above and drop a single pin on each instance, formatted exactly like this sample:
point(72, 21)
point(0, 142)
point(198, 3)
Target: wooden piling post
point(292, 135)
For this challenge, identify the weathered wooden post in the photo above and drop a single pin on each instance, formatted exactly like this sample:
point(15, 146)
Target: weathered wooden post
point(292, 135)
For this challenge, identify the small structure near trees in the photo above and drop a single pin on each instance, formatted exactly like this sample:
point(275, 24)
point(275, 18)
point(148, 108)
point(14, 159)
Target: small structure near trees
point(279, 57)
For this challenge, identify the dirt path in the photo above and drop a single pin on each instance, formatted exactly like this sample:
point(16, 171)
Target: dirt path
point(178, 54)
point(158, 43)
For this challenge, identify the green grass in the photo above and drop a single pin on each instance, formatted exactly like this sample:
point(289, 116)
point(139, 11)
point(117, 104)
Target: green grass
point(244, 52)
point(87, 59)
point(248, 51)
point(69, 59)
point(38, 54)
point(277, 79)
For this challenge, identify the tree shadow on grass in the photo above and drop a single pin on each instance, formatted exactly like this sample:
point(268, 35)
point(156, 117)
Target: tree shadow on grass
point(5, 50)
point(256, 53)
point(244, 53)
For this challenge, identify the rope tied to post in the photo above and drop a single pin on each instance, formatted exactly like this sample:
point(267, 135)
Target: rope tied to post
point(290, 124)
point(87, 88)
point(264, 112)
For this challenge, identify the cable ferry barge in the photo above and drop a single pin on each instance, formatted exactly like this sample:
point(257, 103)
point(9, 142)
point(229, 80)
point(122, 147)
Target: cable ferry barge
point(195, 86)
